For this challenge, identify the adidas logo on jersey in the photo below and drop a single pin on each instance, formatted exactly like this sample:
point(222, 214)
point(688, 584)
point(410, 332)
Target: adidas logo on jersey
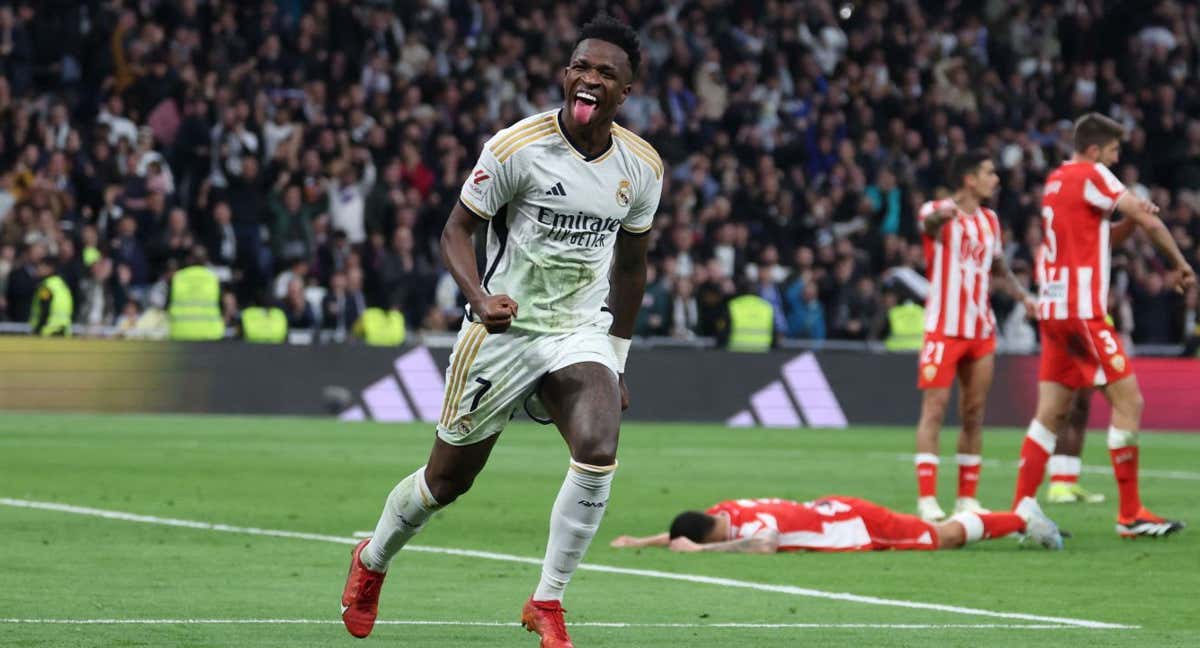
point(556, 190)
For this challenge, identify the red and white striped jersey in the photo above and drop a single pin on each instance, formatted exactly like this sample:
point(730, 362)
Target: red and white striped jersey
point(1074, 259)
point(959, 268)
point(831, 523)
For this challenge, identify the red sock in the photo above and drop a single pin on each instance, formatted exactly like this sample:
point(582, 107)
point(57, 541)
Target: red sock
point(998, 525)
point(968, 474)
point(927, 469)
point(1035, 452)
point(1125, 469)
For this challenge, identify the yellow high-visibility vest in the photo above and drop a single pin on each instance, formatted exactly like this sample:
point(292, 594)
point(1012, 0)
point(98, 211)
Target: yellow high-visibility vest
point(382, 328)
point(195, 309)
point(907, 324)
point(264, 325)
point(751, 323)
point(62, 306)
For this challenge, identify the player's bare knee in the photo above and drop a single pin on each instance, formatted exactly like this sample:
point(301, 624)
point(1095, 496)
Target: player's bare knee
point(597, 450)
point(447, 489)
point(934, 404)
point(1135, 404)
point(934, 413)
point(972, 416)
point(951, 535)
point(596, 455)
point(1079, 414)
point(1053, 420)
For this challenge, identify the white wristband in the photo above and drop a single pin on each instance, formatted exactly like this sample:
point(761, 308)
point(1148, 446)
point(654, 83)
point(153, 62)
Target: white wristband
point(620, 348)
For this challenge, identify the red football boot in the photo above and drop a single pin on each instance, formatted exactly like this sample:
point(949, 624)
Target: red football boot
point(360, 599)
point(546, 619)
point(1147, 524)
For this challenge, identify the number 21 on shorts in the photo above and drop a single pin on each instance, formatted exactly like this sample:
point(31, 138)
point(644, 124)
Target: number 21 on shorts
point(933, 352)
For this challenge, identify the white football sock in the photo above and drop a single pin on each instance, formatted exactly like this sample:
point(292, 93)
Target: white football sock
point(1042, 436)
point(1064, 465)
point(408, 507)
point(1118, 438)
point(972, 526)
point(573, 522)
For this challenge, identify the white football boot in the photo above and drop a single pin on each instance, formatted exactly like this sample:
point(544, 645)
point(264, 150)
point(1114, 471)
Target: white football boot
point(969, 505)
point(929, 510)
point(1038, 527)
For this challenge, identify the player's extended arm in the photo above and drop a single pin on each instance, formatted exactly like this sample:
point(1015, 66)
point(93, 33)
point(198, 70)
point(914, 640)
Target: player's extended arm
point(764, 542)
point(627, 285)
point(1145, 214)
point(940, 216)
point(496, 312)
point(1121, 231)
point(657, 540)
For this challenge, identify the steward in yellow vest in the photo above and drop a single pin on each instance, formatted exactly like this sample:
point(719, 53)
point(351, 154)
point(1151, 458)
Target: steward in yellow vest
point(906, 326)
point(751, 323)
point(194, 305)
point(380, 327)
point(53, 306)
point(266, 325)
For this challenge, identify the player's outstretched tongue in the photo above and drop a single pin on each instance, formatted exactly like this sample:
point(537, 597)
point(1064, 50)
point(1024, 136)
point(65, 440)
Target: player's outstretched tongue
point(583, 111)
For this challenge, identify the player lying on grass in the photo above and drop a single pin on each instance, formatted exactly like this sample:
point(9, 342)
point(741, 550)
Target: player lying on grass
point(838, 523)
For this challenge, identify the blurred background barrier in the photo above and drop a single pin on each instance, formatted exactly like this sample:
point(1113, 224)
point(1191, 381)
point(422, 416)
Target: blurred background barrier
point(827, 388)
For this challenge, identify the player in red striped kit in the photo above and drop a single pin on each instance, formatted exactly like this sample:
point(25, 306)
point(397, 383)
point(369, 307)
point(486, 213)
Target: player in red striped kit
point(1065, 464)
point(963, 249)
point(1079, 348)
point(837, 523)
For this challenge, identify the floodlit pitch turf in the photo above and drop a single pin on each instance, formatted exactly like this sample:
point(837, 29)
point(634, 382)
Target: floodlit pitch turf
point(329, 478)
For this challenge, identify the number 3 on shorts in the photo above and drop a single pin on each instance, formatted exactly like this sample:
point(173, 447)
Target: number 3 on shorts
point(1110, 344)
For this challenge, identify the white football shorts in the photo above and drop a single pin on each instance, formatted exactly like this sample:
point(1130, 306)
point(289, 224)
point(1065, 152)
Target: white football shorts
point(491, 375)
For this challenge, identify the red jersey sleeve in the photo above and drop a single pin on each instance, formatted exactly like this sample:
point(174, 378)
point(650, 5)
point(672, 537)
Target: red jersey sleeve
point(1102, 189)
point(927, 210)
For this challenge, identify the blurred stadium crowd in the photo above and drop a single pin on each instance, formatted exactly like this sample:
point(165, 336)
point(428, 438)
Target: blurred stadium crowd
point(314, 148)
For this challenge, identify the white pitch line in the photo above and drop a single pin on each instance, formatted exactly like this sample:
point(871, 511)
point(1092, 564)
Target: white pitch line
point(578, 624)
point(1097, 470)
point(648, 573)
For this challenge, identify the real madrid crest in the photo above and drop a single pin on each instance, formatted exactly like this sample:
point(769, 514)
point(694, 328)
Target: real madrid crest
point(624, 193)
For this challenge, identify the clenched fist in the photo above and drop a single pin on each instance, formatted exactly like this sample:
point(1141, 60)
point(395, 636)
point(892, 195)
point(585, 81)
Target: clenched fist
point(495, 312)
point(1184, 278)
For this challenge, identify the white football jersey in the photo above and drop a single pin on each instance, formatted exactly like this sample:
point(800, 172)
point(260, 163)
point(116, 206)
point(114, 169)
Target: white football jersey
point(553, 216)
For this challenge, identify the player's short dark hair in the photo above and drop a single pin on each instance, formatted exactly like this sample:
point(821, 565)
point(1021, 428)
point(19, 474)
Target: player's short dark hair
point(606, 28)
point(965, 164)
point(1096, 129)
point(693, 525)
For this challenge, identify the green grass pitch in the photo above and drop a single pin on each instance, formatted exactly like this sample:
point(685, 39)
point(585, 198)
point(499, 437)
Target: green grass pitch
point(330, 478)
